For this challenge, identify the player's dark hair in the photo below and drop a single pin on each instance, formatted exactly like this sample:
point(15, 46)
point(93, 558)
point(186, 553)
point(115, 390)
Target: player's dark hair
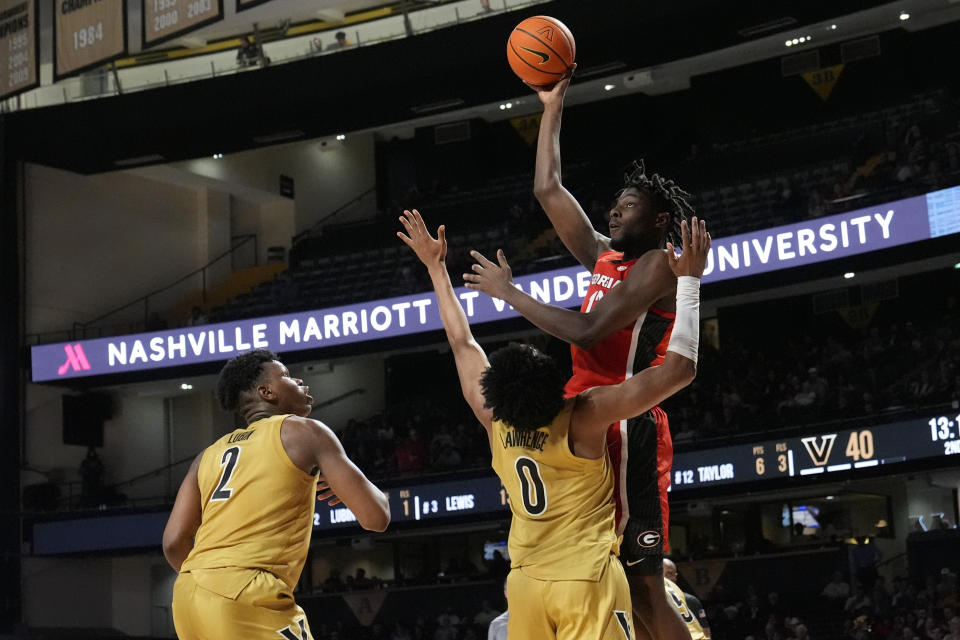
point(664, 193)
point(239, 375)
point(523, 387)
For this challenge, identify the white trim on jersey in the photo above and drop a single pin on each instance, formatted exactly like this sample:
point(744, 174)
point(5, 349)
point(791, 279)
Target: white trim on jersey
point(622, 480)
point(627, 374)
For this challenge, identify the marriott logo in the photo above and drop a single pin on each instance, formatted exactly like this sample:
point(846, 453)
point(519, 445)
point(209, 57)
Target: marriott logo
point(76, 359)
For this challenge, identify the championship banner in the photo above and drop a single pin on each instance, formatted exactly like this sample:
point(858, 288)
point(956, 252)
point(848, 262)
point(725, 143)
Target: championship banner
point(365, 605)
point(823, 80)
point(803, 243)
point(87, 33)
point(164, 20)
point(19, 46)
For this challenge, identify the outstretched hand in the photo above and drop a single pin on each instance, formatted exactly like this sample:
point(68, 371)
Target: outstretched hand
point(431, 251)
point(696, 248)
point(553, 93)
point(491, 278)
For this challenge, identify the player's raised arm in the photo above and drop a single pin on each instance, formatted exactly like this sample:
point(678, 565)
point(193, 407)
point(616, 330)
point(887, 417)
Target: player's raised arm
point(184, 519)
point(648, 282)
point(471, 359)
point(565, 213)
point(601, 406)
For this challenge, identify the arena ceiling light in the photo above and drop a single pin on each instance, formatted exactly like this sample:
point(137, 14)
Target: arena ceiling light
point(341, 137)
point(799, 40)
point(609, 87)
point(848, 275)
point(904, 16)
point(186, 386)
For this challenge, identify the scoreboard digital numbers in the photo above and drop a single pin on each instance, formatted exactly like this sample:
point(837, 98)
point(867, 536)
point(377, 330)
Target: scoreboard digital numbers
point(87, 33)
point(427, 502)
point(823, 453)
point(18, 46)
point(166, 19)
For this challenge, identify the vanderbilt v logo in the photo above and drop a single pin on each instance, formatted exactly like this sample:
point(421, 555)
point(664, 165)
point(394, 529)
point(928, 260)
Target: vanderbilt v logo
point(819, 452)
point(291, 635)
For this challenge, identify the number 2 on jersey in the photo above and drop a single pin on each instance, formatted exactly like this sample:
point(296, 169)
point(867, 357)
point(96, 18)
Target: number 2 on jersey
point(529, 473)
point(229, 464)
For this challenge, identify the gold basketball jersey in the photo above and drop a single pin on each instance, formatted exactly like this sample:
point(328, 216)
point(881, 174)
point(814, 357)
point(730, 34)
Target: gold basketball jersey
point(257, 505)
point(679, 603)
point(563, 513)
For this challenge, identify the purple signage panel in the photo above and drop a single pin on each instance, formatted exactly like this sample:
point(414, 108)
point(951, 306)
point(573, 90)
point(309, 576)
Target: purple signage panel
point(819, 240)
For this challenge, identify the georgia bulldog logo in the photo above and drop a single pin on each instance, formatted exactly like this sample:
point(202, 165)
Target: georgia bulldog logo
point(648, 539)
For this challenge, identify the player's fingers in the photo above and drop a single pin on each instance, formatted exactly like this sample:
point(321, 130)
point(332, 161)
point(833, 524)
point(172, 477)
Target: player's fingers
point(482, 259)
point(471, 277)
point(407, 241)
point(477, 267)
point(470, 285)
point(335, 502)
point(442, 234)
point(672, 254)
point(502, 259)
point(405, 221)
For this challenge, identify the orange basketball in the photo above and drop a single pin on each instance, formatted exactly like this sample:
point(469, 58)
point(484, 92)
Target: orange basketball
point(540, 50)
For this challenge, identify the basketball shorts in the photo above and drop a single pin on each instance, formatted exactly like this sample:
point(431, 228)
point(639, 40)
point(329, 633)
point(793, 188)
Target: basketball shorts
point(571, 609)
point(226, 604)
point(641, 452)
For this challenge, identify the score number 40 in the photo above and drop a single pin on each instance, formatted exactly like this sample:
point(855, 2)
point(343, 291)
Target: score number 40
point(87, 36)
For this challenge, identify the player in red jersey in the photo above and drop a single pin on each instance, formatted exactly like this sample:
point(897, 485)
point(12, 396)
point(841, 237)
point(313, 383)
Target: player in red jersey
point(624, 327)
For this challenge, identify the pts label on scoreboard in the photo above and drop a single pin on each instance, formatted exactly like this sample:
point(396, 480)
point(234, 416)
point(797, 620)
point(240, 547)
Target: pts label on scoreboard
point(165, 19)
point(18, 46)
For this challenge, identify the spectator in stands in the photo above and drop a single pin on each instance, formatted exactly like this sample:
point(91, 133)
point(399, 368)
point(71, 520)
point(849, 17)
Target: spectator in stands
point(360, 580)
point(498, 626)
point(340, 42)
point(411, 454)
point(447, 625)
point(837, 591)
point(333, 583)
point(486, 615)
point(197, 317)
point(91, 478)
point(865, 558)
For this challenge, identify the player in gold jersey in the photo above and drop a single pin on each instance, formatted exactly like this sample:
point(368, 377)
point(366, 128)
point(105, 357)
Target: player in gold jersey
point(550, 453)
point(686, 605)
point(240, 527)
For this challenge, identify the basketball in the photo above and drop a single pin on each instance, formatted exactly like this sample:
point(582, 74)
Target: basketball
point(540, 50)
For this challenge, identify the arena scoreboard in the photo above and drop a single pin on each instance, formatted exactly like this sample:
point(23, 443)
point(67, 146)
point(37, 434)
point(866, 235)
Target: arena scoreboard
point(823, 453)
point(819, 455)
point(19, 46)
point(87, 33)
point(425, 502)
point(166, 19)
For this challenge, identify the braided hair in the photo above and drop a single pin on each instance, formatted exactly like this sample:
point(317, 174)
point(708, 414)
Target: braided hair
point(664, 193)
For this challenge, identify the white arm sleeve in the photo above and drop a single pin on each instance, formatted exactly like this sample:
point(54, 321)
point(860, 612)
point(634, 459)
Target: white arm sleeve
point(685, 339)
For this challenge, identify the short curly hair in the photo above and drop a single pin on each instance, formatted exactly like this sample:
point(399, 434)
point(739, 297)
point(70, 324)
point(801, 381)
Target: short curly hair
point(523, 387)
point(239, 375)
point(665, 195)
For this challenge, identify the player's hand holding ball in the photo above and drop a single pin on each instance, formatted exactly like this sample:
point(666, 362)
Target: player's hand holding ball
point(696, 247)
point(541, 51)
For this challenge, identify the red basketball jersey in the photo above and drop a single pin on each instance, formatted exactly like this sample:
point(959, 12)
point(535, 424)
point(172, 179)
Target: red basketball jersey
point(640, 344)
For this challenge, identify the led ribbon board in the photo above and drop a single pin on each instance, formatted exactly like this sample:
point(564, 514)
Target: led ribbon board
point(872, 229)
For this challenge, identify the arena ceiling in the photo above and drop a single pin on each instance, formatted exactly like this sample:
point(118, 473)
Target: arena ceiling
point(371, 87)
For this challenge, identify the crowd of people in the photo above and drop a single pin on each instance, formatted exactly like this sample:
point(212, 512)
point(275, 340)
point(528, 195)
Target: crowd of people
point(749, 387)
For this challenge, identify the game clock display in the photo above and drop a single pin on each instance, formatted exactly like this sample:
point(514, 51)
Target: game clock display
point(822, 453)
